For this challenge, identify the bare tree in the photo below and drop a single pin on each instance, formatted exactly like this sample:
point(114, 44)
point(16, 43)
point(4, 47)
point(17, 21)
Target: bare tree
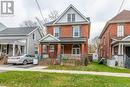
point(29, 23)
point(53, 15)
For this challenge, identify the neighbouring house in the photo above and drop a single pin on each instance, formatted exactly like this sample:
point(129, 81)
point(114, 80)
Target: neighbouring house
point(19, 40)
point(115, 39)
point(2, 26)
point(67, 36)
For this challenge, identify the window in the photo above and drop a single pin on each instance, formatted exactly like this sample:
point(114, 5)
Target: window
point(76, 31)
point(57, 32)
point(33, 36)
point(120, 30)
point(71, 17)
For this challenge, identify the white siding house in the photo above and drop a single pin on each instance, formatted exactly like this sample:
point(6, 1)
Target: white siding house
point(19, 40)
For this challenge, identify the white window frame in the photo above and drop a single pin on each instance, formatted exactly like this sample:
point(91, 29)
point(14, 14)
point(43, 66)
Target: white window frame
point(75, 48)
point(68, 17)
point(74, 30)
point(120, 30)
point(55, 31)
point(71, 17)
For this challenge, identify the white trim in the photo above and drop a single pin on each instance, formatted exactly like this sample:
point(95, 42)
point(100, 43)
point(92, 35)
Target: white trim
point(70, 6)
point(50, 36)
point(75, 48)
point(78, 31)
point(125, 38)
point(54, 31)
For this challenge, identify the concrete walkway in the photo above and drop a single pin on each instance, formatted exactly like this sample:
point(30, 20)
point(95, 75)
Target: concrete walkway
point(42, 69)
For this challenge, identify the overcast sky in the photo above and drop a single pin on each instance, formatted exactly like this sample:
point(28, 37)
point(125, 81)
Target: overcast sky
point(100, 11)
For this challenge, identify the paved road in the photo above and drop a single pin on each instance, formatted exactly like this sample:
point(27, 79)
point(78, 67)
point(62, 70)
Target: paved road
point(42, 69)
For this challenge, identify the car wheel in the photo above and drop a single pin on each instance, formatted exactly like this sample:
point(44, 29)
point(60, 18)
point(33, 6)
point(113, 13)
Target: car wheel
point(25, 62)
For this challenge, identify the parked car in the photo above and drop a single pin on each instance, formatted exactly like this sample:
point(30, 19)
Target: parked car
point(24, 59)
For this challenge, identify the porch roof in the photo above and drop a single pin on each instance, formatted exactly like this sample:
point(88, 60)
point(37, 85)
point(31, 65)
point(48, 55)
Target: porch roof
point(11, 41)
point(121, 40)
point(51, 39)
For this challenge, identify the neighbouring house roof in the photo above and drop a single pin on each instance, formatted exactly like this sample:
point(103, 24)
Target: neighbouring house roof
point(17, 31)
point(123, 16)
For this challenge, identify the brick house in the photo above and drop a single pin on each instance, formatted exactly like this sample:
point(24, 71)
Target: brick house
point(67, 35)
point(115, 39)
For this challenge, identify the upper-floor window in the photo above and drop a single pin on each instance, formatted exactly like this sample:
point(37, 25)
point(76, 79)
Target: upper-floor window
point(57, 32)
point(120, 30)
point(76, 31)
point(71, 17)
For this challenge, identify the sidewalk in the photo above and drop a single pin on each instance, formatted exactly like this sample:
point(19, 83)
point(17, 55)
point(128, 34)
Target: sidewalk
point(42, 69)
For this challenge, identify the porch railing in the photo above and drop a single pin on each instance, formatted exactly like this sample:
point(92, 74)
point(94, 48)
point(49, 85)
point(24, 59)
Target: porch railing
point(71, 56)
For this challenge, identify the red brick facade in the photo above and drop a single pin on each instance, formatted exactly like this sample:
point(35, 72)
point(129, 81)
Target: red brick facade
point(67, 31)
point(106, 38)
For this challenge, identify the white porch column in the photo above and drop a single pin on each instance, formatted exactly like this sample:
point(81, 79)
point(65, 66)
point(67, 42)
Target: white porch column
point(112, 50)
point(119, 49)
point(13, 49)
point(122, 49)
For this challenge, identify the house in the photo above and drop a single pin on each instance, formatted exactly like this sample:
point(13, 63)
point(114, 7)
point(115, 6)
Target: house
point(66, 36)
point(19, 40)
point(115, 39)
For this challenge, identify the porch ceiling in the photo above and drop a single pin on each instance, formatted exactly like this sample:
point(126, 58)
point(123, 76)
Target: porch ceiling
point(11, 41)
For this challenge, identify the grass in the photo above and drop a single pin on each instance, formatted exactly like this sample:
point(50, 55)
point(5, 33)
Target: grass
point(39, 79)
point(92, 67)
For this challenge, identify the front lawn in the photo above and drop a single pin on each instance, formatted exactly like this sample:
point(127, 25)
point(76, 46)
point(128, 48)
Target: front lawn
point(92, 67)
point(39, 79)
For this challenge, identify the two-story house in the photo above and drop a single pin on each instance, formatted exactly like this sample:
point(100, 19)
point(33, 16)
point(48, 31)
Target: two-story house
point(67, 35)
point(115, 39)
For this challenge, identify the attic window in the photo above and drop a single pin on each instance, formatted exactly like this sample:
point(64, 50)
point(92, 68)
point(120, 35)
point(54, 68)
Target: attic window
point(71, 17)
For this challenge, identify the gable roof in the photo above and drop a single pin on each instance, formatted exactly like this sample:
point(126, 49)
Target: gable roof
point(87, 19)
point(71, 6)
point(49, 38)
point(17, 31)
point(123, 16)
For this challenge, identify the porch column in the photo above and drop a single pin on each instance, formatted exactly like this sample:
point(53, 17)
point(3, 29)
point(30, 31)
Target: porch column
point(82, 49)
point(40, 50)
point(58, 49)
point(119, 49)
point(122, 49)
point(13, 49)
point(112, 50)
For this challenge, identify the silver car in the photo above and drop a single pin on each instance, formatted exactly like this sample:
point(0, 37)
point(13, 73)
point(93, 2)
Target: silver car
point(24, 59)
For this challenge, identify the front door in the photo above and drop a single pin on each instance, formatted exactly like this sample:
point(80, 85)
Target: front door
point(51, 51)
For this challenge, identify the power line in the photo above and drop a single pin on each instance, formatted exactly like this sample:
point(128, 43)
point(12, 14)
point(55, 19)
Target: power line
point(39, 9)
point(121, 6)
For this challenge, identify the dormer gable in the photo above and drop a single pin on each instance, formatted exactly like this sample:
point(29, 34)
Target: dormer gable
point(71, 15)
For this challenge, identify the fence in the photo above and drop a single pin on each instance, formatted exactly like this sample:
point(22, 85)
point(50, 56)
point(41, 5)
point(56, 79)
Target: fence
point(66, 59)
